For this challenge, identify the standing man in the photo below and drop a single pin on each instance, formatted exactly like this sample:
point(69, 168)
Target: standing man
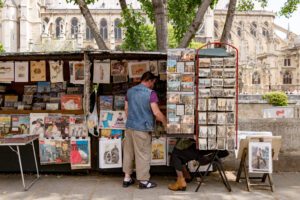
point(141, 106)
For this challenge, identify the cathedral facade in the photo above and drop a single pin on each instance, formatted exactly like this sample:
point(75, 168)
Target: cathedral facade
point(267, 62)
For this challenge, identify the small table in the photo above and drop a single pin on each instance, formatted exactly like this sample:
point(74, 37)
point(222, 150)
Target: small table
point(22, 141)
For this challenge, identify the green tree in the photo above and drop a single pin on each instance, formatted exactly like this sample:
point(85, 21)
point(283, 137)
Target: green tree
point(276, 98)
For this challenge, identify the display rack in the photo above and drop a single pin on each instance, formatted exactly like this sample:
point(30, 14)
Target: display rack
point(216, 50)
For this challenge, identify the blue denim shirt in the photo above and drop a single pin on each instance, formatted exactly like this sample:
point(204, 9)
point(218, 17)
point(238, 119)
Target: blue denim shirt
point(140, 116)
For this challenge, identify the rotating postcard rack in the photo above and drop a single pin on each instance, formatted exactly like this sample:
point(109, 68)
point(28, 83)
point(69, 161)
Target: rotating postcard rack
point(216, 86)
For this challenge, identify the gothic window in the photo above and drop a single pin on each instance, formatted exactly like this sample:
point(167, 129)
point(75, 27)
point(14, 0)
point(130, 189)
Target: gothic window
point(239, 31)
point(103, 29)
point(253, 29)
point(117, 29)
point(216, 29)
point(287, 78)
point(59, 27)
point(74, 27)
point(287, 62)
point(88, 33)
point(256, 78)
point(265, 31)
point(202, 29)
point(45, 25)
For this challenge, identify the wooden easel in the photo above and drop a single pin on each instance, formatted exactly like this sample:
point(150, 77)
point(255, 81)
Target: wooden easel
point(243, 155)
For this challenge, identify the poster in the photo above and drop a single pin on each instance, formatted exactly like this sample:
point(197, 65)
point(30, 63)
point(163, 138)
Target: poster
point(101, 72)
point(37, 71)
point(80, 155)
point(137, 69)
point(54, 151)
point(56, 71)
point(21, 72)
point(20, 123)
point(153, 67)
point(106, 102)
point(110, 153)
point(260, 157)
point(112, 120)
point(158, 151)
point(6, 72)
point(119, 68)
point(37, 124)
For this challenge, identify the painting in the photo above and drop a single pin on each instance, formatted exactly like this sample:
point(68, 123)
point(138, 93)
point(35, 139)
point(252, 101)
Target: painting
point(56, 71)
point(137, 69)
point(260, 157)
point(21, 72)
point(101, 72)
point(6, 72)
point(37, 71)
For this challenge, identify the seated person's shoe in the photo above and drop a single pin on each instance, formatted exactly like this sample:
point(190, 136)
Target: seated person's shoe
point(128, 183)
point(147, 185)
point(179, 185)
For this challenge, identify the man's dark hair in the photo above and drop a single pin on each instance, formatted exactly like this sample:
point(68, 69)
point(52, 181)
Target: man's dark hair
point(148, 76)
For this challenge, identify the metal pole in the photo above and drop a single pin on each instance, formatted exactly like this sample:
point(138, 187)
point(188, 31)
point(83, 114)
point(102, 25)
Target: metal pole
point(36, 165)
point(21, 167)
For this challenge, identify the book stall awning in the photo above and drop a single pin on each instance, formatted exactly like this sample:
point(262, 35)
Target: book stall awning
point(214, 53)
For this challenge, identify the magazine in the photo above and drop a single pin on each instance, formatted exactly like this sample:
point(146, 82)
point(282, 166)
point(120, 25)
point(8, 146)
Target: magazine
point(71, 102)
point(5, 123)
point(37, 71)
point(37, 124)
point(80, 155)
point(20, 123)
point(119, 102)
point(110, 153)
point(106, 102)
point(158, 151)
point(53, 126)
point(21, 72)
point(43, 87)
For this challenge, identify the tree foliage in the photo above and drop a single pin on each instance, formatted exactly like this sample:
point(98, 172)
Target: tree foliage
point(290, 6)
point(276, 98)
point(2, 50)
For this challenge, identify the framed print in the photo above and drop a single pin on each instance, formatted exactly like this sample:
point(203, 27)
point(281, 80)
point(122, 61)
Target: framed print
point(158, 151)
point(110, 153)
point(202, 104)
point(21, 72)
point(37, 71)
point(101, 72)
point(119, 68)
point(173, 98)
point(205, 72)
point(203, 131)
point(229, 82)
point(204, 62)
point(56, 71)
point(211, 131)
point(153, 67)
point(180, 109)
point(212, 104)
point(211, 117)
point(137, 69)
point(7, 71)
point(260, 157)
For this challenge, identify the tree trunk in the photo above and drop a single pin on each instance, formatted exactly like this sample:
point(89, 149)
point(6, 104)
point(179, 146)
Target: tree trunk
point(123, 5)
point(91, 23)
point(161, 26)
point(229, 21)
point(195, 24)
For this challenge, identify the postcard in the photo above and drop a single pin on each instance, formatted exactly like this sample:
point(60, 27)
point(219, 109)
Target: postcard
point(204, 62)
point(217, 62)
point(230, 118)
point(38, 71)
point(216, 73)
point(260, 157)
point(112, 120)
point(43, 87)
point(217, 92)
point(187, 78)
point(211, 131)
point(229, 82)
point(204, 92)
point(171, 65)
point(137, 69)
point(221, 131)
point(229, 92)
point(204, 82)
point(21, 72)
point(187, 128)
point(173, 128)
point(211, 143)
point(119, 68)
point(229, 73)
point(153, 67)
point(101, 72)
point(173, 77)
point(52, 106)
point(171, 110)
point(175, 119)
point(173, 98)
point(202, 144)
point(202, 117)
point(106, 102)
point(202, 104)
point(20, 123)
point(180, 67)
point(71, 102)
point(230, 104)
point(221, 104)
point(205, 72)
point(187, 55)
point(221, 143)
point(203, 131)
point(212, 118)
point(217, 82)
point(189, 109)
point(212, 104)
point(180, 109)
point(188, 119)
point(230, 144)
point(187, 86)
point(56, 71)
point(221, 118)
point(7, 72)
point(187, 99)
point(173, 86)
point(229, 62)
point(119, 102)
point(189, 67)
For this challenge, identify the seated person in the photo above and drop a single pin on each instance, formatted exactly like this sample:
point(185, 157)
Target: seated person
point(184, 151)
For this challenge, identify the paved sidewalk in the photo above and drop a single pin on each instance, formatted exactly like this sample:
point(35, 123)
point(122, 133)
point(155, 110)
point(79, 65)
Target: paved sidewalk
point(104, 187)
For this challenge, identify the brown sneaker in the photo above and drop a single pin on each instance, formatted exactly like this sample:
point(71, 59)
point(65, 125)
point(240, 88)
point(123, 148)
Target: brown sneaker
point(179, 185)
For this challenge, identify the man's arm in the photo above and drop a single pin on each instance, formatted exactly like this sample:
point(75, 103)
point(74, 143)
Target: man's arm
point(126, 108)
point(158, 114)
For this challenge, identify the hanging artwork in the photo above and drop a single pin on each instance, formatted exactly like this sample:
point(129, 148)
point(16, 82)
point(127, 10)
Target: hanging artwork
point(56, 71)
point(110, 153)
point(21, 72)
point(6, 72)
point(54, 151)
point(137, 69)
point(77, 71)
point(37, 71)
point(112, 120)
point(260, 157)
point(80, 156)
point(158, 151)
point(101, 72)
point(153, 67)
point(119, 68)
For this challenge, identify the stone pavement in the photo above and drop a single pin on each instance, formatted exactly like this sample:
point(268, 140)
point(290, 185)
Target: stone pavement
point(108, 187)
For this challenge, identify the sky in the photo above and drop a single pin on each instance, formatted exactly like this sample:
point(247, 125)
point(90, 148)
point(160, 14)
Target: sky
point(275, 5)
